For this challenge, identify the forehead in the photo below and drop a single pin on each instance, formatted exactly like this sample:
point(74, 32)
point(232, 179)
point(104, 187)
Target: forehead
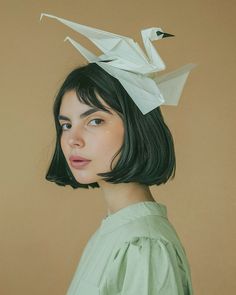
point(71, 103)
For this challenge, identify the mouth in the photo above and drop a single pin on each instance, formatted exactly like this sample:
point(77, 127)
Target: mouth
point(79, 163)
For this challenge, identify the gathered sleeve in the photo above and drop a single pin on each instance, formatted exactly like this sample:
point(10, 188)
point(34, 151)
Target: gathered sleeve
point(146, 266)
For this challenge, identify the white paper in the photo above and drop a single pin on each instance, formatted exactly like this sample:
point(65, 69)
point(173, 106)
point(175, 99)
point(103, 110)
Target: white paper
point(124, 59)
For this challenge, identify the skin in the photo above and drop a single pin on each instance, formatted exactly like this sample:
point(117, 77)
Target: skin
point(97, 137)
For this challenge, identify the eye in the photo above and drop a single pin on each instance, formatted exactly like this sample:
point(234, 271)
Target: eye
point(62, 125)
point(98, 120)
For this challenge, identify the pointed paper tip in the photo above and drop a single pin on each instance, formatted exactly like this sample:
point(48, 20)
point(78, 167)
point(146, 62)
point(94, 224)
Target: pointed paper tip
point(192, 65)
point(41, 16)
point(67, 38)
point(46, 14)
point(167, 35)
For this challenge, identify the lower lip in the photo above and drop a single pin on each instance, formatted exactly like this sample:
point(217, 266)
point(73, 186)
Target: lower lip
point(79, 164)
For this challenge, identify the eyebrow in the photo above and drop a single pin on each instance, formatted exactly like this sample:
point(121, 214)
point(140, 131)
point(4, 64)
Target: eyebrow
point(85, 114)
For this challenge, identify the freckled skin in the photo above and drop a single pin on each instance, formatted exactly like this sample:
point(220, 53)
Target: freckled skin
point(95, 140)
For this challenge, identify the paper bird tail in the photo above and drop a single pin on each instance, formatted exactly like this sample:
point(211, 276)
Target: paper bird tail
point(85, 52)
point(171, 84)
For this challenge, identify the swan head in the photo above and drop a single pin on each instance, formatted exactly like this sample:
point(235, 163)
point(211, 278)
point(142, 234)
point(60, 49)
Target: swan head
point(155, 34)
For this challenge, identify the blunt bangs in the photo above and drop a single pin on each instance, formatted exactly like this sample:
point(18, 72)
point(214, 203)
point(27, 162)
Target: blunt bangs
point(147, 155)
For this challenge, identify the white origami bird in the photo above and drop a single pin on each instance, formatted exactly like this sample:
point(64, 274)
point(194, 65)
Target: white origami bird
point(125, 60)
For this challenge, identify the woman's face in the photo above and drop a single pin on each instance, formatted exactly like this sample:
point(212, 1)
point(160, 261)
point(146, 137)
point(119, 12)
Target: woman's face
point(97, 137)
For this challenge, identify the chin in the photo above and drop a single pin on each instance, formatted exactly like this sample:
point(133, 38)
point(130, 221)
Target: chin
point(86, 179)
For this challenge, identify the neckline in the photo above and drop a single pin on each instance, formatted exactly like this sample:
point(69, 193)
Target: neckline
point(131, 212)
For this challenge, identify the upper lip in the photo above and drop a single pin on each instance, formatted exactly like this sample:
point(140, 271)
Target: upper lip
point(74, 158)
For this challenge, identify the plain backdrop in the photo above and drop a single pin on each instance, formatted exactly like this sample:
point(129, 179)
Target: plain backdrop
point(44, 227)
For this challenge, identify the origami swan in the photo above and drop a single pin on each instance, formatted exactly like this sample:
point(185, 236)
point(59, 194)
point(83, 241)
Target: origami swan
point(124, 59)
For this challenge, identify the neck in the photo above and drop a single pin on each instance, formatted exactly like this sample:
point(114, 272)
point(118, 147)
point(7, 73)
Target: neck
point(154, 57)
point(120, 195)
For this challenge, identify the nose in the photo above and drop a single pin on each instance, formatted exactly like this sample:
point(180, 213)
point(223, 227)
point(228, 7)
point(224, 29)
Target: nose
point(76, 138)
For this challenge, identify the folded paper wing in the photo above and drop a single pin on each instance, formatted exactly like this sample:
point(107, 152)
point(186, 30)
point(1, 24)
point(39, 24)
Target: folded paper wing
point(150, 93)
point(110, 44)
point(171, 84)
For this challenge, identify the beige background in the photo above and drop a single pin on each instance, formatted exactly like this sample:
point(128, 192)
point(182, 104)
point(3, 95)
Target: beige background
point(44, 227)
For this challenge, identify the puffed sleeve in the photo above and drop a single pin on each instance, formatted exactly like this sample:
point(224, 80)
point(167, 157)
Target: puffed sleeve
point(146, 266)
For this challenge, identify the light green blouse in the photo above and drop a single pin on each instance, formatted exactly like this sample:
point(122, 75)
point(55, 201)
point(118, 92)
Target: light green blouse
point(135, 251)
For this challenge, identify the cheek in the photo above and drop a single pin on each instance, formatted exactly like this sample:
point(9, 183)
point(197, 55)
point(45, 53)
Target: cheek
point(63, 145)
point(108, 142)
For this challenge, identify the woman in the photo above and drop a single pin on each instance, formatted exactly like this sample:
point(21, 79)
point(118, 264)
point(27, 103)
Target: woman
point(136, 250)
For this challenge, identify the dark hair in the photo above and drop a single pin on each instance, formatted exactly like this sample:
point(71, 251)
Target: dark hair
point(147, 154)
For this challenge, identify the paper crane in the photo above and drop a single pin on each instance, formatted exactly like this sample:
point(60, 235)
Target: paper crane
point(125, 60)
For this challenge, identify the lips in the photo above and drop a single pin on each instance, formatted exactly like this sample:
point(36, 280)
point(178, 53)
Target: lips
point(78, 161)
point(78, 158)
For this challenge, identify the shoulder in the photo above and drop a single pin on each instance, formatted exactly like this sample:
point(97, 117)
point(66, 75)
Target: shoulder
point(140, 246)
point(155, 261)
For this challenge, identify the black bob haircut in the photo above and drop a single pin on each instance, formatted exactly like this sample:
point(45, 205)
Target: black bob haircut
point(147, 154)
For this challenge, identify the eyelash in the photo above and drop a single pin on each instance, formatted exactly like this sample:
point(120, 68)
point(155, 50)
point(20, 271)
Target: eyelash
point(89, 122)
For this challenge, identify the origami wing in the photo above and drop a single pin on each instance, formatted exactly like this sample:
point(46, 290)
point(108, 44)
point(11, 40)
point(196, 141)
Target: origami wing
point(112, 45)
point(171, 84)
point(113, 59)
